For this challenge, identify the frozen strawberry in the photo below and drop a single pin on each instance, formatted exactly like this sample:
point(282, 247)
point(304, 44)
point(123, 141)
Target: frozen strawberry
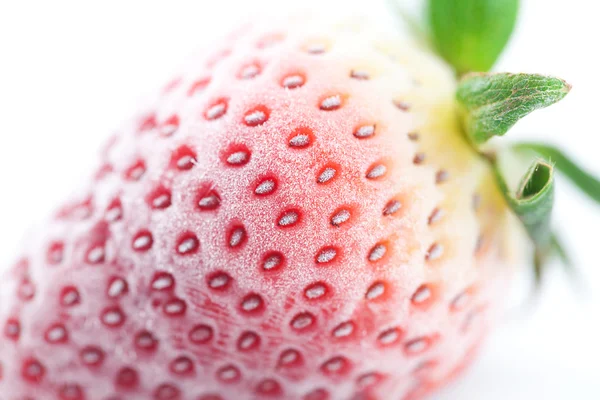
point(298, 216)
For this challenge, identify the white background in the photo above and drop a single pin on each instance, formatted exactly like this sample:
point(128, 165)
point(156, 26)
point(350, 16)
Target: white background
point(70, 71)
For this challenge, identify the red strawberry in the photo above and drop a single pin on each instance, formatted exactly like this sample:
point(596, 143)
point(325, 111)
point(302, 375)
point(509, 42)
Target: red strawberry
point(298, 216)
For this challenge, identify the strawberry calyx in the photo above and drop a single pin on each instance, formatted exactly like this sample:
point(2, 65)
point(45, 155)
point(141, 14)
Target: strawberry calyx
point(470, 35)
point(584, 180)
point(491, 103)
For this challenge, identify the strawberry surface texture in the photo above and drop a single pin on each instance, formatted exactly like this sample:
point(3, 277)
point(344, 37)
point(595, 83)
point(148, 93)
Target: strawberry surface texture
point(297, 215)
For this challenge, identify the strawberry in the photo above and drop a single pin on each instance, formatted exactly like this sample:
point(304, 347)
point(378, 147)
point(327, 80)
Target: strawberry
point(296, 216)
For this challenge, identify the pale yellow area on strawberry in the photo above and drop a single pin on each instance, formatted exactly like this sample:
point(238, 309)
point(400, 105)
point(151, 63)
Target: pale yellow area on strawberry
point(442, 141)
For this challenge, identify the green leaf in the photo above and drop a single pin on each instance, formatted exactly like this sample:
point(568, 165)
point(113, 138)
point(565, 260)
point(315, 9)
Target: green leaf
point(471, 34)
point(492, 103)
point(585, 181)
point(532, 203)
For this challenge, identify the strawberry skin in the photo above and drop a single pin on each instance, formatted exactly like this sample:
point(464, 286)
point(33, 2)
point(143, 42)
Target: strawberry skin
point(296, 216)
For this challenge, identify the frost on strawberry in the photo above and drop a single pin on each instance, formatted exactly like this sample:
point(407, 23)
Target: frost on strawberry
point(298, 216)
